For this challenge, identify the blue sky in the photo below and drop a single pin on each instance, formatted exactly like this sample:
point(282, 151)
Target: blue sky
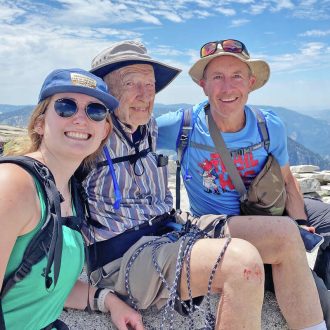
point(292, 36)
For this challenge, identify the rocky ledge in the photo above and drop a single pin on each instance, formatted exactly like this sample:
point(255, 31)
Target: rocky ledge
point(312, 181)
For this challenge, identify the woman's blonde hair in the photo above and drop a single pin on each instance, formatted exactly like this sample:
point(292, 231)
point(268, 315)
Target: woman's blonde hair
point(31, 143)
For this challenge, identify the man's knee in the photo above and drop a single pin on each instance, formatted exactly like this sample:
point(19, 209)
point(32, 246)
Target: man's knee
point(286, 237)
point(244, 264)
point(239, 266)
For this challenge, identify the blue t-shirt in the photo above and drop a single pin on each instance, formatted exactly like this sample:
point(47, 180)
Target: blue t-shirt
point(210, 189)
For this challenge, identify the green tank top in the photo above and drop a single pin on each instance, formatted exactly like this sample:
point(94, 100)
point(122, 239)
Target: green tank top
point(29, 305)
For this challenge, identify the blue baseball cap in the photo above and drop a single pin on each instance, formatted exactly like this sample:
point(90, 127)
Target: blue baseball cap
point(77, 81)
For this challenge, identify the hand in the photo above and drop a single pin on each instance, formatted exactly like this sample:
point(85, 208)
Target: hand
point(310, 229)
point(123, 316)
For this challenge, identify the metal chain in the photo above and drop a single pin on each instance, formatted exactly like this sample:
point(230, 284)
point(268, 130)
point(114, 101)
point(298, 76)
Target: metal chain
point(188, 240)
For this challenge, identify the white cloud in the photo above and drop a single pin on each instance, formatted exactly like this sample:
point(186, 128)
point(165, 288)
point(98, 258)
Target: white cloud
point(312, 49)
point(226, 11)
point(313, 10)
point(257, 9)
point(8, 14)
point(282, 4)
point(239, 22)
point(239, 1)
point(37, 37)
point(204, 3)
point(33, 47)
point(173, 17)
point(311, 56)
point(315, 33)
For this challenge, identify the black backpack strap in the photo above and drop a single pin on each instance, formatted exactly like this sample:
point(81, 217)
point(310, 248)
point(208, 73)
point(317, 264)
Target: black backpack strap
point(182, 144)
point(138, 154)
point(48, 241)
point(77, 193)
point(2, 320)
point(58, 325)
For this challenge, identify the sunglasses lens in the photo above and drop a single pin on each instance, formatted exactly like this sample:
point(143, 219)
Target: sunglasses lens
point(65, 107)
point(96, 111)
point(232, 46)
point(209, 49)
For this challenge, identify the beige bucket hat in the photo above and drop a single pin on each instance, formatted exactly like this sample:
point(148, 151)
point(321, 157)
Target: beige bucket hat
point(260, 69)
point(129, 52)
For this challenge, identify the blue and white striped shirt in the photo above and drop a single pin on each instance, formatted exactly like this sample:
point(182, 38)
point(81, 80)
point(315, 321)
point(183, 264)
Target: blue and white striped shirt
point(143, 196)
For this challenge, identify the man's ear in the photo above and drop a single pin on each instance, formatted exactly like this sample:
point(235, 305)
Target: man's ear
point(202, 83)
point(252, 81)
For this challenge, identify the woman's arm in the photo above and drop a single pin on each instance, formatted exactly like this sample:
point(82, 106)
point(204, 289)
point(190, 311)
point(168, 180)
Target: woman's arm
point(19, 209)
point(122, 315)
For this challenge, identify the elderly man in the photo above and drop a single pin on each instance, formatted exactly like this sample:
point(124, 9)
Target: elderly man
point(227, 75)
point(130, 207)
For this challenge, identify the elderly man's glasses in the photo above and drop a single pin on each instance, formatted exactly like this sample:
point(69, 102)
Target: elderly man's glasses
point(229, 45)
point(67, 108)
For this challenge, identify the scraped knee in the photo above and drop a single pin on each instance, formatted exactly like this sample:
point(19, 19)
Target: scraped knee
point(246, 260)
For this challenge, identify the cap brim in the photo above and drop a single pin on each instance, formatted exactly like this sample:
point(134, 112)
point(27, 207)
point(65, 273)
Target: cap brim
point(259, 68)
point(107, 99)
point(164, 74)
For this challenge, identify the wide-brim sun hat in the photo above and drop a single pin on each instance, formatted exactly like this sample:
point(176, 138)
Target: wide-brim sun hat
point(77, 81)
point(260, 69)
point(130, 52)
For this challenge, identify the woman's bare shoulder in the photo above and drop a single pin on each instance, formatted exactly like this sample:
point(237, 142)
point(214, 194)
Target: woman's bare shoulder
point(18, 196)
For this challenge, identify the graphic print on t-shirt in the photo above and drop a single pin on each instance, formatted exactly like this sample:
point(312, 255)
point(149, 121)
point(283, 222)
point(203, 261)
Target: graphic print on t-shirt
point(215, 177)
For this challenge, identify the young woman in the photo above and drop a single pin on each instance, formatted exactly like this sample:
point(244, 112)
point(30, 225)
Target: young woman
point(67, 128)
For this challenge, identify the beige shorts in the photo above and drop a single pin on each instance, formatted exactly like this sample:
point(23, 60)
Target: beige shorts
point(145, 283)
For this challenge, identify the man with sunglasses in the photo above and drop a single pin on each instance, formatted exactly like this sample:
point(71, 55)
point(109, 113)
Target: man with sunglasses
point(130, 208)
point(227, 74)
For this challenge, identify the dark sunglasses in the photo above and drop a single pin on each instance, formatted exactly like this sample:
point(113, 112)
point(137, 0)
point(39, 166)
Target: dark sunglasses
point(67, 108)
point(229, 45)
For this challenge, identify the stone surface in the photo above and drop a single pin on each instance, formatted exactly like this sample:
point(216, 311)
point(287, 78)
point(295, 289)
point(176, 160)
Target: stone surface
point(78, 320)
point(304, 168)
point(308, 185)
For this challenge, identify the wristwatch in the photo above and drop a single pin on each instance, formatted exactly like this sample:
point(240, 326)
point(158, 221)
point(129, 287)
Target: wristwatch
point(101, 299)
point(301, 222)
point(96, 296)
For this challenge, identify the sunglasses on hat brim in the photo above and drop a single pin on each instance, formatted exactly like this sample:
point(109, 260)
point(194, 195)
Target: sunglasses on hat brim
point(228, 45)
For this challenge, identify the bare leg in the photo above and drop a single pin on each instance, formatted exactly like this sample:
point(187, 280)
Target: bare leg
point(278, 242)
point(239, 277)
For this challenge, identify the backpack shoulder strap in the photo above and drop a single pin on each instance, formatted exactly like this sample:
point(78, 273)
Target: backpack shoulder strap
point(48, 240)
point(184, 133)
point(262, 127)
point(182, 144)
point(130, 158)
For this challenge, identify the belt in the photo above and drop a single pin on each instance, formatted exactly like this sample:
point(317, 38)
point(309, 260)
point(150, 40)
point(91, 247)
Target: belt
point(151, 222)
point(101, 253)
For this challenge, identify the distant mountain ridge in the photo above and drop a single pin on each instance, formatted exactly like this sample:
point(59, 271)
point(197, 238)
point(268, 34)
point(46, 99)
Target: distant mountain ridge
point(313, 134)
point(15, 115)
point(306, 130)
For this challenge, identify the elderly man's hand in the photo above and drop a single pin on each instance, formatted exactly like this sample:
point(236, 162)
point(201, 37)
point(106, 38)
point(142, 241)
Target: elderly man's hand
point(123, 316)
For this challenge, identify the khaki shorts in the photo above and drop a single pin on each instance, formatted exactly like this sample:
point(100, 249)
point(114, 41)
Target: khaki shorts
point(144, 281)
